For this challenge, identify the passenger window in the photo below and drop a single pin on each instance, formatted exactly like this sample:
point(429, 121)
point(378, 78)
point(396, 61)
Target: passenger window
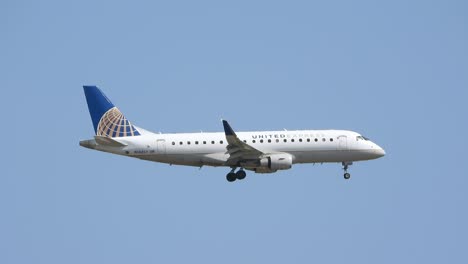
point(221, 142)
point(173, 143)
point(277, 140)
point(245, 141)
point(292, 140)
point(253, 141)
point(323, 139)
point(331, 139)
point(308, 140)
point(285, 140)
point(300, 140)
point(196, 142)
point(188, 142)
point(269, 141)
point(316, 140)
point(204, 142)
point(261, 140)
point(212, 142)
point(180, 143)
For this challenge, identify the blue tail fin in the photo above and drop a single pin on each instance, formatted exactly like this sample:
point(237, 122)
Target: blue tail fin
point(108, 121)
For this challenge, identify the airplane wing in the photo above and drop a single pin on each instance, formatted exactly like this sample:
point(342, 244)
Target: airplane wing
point(237, 149)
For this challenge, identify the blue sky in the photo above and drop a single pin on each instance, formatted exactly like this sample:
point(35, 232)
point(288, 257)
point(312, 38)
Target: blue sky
point(394, 71)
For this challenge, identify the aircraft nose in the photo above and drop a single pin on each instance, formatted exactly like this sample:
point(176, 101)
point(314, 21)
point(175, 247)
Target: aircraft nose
point(379, 152)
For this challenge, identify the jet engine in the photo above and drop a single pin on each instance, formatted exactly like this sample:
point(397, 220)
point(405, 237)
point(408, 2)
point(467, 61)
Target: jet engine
point(270, 163)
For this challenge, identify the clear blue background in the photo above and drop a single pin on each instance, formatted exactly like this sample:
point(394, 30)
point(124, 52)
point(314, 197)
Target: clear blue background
point(394, 71)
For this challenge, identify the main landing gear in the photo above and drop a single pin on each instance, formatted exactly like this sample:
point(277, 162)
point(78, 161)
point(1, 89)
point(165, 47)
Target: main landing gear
point(345, 168)
point(239, 175)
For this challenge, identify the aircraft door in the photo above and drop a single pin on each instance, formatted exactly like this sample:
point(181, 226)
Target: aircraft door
point(161, 146)
point(343, 143)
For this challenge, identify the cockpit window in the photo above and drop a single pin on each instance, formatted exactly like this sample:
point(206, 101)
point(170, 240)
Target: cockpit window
point(361, 138)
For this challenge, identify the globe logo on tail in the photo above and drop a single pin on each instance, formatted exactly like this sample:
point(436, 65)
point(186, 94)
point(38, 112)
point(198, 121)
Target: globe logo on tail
point(114, 124)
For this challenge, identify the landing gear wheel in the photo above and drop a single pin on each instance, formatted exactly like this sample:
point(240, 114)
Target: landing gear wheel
point(345, 168)
point(240, 175)
point(230, 177)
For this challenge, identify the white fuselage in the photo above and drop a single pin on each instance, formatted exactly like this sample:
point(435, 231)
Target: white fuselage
point(262, 151)
point(199, 149)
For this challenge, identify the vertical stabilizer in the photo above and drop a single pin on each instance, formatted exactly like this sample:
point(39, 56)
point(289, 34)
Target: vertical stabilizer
point(107, 119)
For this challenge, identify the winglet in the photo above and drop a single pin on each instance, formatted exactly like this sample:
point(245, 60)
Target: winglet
point(228, 129)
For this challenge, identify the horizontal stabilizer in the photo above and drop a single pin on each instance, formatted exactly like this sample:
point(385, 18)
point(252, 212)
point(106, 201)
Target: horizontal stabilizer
point(108, 142)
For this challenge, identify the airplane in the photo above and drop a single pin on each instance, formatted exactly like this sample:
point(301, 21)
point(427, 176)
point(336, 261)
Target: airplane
point(259, 151)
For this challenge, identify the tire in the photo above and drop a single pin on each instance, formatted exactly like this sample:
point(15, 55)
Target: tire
point(240, 175)
point(230, 177)
point(347, 176)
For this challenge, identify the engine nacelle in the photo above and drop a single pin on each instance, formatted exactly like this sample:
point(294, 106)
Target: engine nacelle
point(274, 162)
point(269, 164)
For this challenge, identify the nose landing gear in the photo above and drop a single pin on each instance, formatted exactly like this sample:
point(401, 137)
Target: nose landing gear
point(346, 175)
point(239, 175)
